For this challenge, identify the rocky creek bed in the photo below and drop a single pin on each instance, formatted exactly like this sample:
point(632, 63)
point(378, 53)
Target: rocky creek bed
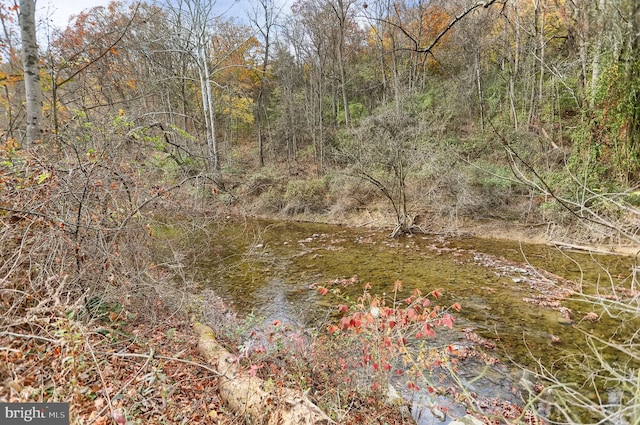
point(521, 304)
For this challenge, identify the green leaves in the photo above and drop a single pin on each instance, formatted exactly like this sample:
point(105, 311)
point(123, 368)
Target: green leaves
point(43, 177)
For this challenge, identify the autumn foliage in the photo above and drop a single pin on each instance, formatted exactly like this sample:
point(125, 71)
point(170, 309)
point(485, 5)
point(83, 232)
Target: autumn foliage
point(395, 338)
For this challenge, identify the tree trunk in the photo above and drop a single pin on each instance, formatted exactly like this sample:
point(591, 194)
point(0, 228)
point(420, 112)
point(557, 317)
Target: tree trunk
point(479, 86)
point(266, 8)
point(250, 396)
point(207, 105)
point(515, 68)
point(342, 19)
point(31, 66)
point(260, 107)
point(595, 61)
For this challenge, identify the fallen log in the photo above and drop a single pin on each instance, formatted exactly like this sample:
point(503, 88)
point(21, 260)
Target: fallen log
point(251, 396)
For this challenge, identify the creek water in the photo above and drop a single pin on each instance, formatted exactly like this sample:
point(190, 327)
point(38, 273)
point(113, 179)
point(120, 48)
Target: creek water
point(511, 294)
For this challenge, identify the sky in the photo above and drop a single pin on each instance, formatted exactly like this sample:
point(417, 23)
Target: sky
point(59, 11)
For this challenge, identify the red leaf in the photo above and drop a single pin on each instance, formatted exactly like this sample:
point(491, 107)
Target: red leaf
point(457, 306)
point(447, 320)
point(253, 369)
point(428, 331)
point(411, 314)
point(119, 417)
point(356, 323)
point(345, 322)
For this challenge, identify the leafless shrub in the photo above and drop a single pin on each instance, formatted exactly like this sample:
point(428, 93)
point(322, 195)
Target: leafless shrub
point(74, 231)
point(307, 196)
point(350, 194)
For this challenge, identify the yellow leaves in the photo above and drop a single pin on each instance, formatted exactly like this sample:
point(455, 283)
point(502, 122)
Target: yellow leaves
point(10, 145)
point(238, 108)
point(44, 176)
point(131, 83)
point(434, 21)
point(7, 79)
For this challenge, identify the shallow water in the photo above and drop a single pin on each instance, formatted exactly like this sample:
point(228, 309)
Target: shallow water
point(267, 268)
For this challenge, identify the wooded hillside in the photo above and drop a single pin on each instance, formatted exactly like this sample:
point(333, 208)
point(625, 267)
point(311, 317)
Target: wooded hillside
point(472, 106)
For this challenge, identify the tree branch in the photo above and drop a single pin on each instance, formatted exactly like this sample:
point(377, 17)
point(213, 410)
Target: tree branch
point(437, 39)
point(106, 51)
point(568, 205)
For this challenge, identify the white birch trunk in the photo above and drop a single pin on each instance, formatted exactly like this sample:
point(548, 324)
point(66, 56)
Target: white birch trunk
point(208, 109)
point(31, 66)
point(595, 62)
point(515, 69)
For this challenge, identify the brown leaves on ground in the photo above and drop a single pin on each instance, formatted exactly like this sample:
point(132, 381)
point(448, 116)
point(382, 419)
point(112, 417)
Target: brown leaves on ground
point(112, 372)
point(125, 372)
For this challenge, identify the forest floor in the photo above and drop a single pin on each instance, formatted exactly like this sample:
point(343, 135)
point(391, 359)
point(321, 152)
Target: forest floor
point(121, 370)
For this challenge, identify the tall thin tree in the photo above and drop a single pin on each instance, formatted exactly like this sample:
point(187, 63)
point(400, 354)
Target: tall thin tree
point(264, 18)
point(193, 21)
point(31, 66)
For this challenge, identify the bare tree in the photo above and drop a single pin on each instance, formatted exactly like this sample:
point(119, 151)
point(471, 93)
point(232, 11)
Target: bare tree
point(310, 34)
point(341, 10)
point(193, 21)
point(265, 18)
point(382, 152)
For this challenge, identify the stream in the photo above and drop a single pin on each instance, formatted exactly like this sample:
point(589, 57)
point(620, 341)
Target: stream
point(516, 296)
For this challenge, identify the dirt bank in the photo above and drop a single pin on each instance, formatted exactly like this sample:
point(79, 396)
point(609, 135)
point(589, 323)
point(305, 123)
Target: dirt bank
point(566, 237)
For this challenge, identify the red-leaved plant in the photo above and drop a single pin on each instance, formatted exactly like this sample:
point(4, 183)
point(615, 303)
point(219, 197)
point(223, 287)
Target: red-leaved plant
point(392, 335)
